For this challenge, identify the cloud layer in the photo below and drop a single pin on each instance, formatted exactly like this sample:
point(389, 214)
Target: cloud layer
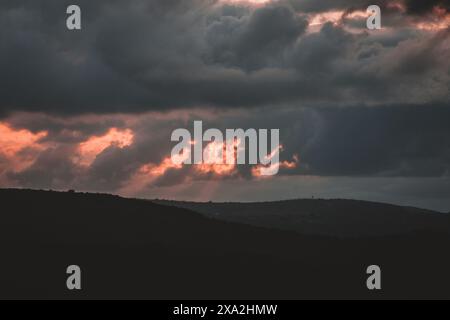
point(132, 152)
point(140, 55)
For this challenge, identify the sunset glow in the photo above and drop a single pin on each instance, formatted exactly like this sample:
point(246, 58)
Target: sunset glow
point(13, 141)
point(288, 165)
point(95, 145)
point(439, 20)
point(217, 158)
point(19, 148)
point(322, 18)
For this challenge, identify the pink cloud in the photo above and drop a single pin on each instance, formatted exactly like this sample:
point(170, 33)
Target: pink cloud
point(19, 147)
point(95, 145)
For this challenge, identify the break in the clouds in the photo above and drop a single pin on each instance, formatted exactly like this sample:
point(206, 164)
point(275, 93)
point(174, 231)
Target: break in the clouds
point(94, 109)
point(129, 154)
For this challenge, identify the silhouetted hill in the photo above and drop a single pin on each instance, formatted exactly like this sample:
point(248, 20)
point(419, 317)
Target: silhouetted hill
point(130, 248)
point(343, 218)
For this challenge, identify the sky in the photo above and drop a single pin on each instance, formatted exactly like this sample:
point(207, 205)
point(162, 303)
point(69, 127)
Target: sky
point(363, 114)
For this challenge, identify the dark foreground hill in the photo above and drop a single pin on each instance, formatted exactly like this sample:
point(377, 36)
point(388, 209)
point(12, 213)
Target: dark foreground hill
point(138, 249)
point(341, 218)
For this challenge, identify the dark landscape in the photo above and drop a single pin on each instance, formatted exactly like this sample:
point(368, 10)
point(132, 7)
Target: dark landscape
point(131, 248)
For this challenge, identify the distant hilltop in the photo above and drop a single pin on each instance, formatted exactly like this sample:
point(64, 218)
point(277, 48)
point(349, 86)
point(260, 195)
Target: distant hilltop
point(343, 218)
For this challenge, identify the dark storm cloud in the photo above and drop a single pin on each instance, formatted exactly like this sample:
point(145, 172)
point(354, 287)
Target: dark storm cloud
point(388, 141)
point(420, 7)
point(256, 41)
point(155, 55)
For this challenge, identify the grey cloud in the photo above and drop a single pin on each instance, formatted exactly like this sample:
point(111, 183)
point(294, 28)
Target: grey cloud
point(385, 141)
point(156, 55)
point(255, 41)
point(52, 169)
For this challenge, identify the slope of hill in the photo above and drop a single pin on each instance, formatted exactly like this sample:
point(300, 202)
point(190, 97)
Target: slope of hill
point(138, 249)
point(342, 218)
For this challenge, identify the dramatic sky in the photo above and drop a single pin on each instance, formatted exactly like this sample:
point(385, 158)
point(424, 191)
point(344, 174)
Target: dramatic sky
point(362, 114)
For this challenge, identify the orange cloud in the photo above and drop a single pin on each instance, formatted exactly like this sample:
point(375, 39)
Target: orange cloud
point(155, 171)
point(95, 145)
point(215, 156)
point(216, 165)
point(322, 18)
point(14, 142)
point(439, 19)
point(147, 174)
point(256, 171)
